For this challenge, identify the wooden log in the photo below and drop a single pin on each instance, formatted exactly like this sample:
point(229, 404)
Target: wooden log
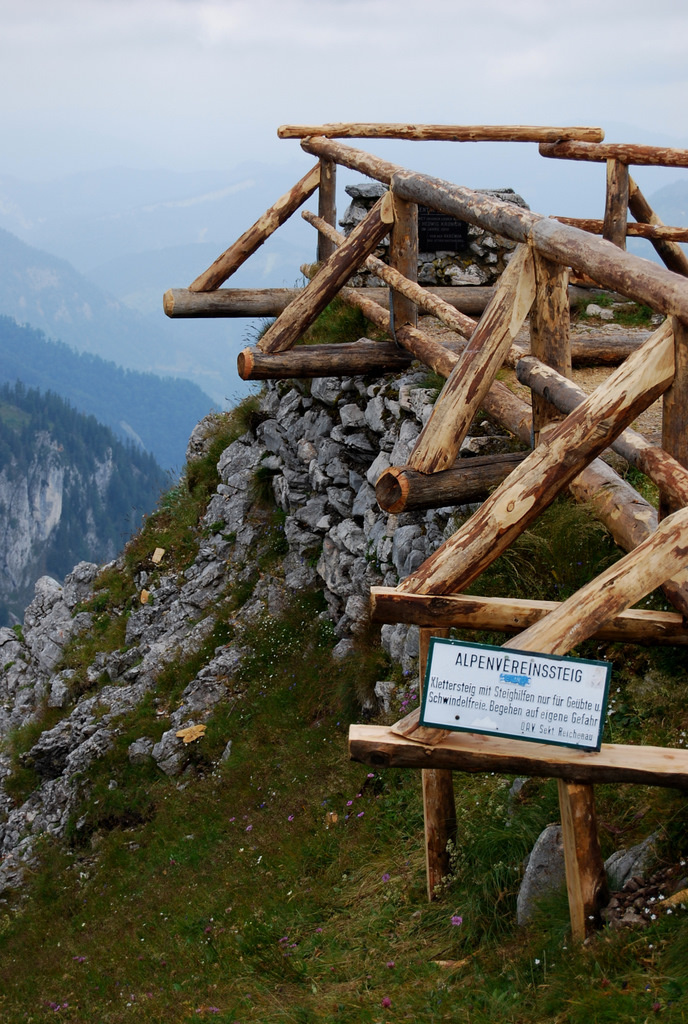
point(570, 446)
point(650, 230)
point(230, 260)
point(674, 412)
point(616, 206)
point(327, 206)
point(608, 266)
point(441, 132)
point(227, 302)
point(627, 153)
point(427, 300)
point(668, 473)
point(549, 329)
point(628, 517)
point(513, 615)
point(308, 305)
point(402, 488)
point(379, 747)
point(618, 587)
point(403, 257)
point(354, 159)
point(359, 357)
point(439, 806)
point(586, 881)
point(237, 302)
point(439, 441)
point(669, 252)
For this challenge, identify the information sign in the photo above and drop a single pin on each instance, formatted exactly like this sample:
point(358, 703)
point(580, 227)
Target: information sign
point(528, 696)
point(439, 232)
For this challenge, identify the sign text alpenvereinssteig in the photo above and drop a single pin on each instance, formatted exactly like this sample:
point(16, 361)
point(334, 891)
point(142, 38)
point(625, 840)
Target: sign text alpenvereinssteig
point(477, 688)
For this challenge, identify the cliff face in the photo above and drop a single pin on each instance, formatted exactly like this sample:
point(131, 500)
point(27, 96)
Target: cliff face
point(317, 449)
point(33, 502)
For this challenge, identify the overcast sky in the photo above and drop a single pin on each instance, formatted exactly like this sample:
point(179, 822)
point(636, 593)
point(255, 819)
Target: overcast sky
point(193, 84)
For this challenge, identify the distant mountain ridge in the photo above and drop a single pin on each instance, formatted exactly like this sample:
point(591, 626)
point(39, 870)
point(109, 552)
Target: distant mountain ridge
point(159, 413)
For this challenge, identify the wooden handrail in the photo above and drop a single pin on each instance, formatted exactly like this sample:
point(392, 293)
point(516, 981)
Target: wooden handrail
point(627, 153)
point(441, 132)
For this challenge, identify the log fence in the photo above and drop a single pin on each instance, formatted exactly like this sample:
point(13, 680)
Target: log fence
point(567, 430)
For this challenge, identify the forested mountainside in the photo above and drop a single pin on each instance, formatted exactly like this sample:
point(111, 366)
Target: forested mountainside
point(69, 490)
point(158, 413)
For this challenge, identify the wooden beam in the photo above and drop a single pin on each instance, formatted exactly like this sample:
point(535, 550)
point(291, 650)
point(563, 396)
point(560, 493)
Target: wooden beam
point(230, 260)
point(404, 285)
point(666, 471)
point(348, 156)
point(403, 489)
point(227, 302)
point(441, 132)
point(616, 205)
point(439, 806)
point(513, 615)
point(549, 329)
point(627, 153)
point(357, 357)
point(650, 230)
point(379, 747)
point(570, 446)
point(669, 252)
point(327, 206)
point(440, 439)
point(308, 305)
point(610, 267)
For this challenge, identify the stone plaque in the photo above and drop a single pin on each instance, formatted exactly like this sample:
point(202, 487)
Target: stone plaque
point(438, 232)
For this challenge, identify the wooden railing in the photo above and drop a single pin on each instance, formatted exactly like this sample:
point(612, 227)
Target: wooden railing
point(566, 451)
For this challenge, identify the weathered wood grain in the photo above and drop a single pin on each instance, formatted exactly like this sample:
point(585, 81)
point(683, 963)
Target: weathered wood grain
point(403, 257)
point(441, 132)
point(327, 206)
point(403, 489)
point(549, 329)
point(379, 747)
point(669, 252)
point(440, 439)
point(357, 357)
point(586, 881)
point(616, 204)
point(627, 153)
point(514, 615)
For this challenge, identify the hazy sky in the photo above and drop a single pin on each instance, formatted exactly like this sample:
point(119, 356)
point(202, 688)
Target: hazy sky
point(193, 84)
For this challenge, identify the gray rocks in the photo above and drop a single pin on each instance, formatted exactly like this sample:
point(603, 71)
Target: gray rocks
point(544, 873)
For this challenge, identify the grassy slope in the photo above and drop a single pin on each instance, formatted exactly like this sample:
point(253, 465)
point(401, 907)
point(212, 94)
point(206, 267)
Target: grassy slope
point(287, 884)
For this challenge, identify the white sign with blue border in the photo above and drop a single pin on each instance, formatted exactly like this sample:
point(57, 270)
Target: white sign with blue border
point(517, 694)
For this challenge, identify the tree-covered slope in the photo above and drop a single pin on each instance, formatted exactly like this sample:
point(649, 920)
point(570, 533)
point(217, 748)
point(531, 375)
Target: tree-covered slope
point(157, 412)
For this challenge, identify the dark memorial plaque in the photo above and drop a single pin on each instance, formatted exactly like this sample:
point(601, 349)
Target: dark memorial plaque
point(438, 232)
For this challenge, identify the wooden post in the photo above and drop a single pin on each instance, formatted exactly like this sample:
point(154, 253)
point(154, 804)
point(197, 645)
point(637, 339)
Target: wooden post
point(549, 329)
point(616, 206)
point(586, 882)
point(327, 206)
point(671, 254)
point(403, 256)
point(225, 265)
point(438, 444)
point(306, 308)
point(439, 806)
point(675, 411)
